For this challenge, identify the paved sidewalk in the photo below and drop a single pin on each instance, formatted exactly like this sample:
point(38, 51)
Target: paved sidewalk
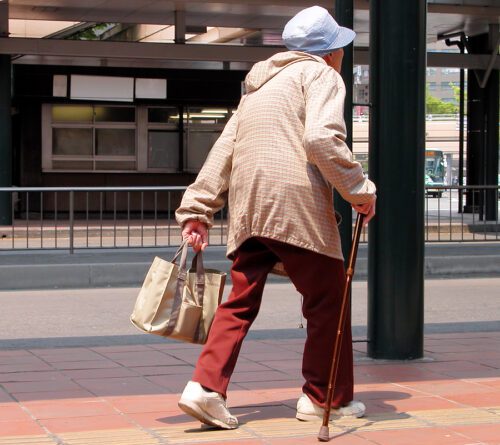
point(127, 395)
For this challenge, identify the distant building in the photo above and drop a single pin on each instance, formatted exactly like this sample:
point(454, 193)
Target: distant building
point(440, 82)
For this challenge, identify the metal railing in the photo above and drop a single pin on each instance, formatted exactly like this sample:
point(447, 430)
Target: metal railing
point(365, 117)
point(462, 213)
point(72, 218)
point(91, 217)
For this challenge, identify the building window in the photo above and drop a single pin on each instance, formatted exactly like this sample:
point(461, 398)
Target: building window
point(72, 141)
point(163, 149)
point(88, 137)
point(129, 138)
point(203, 127)
point(163, 138)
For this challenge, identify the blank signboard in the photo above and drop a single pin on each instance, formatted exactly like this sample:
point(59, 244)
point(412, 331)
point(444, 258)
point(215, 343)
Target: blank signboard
point(119, 89)
point(151, 88)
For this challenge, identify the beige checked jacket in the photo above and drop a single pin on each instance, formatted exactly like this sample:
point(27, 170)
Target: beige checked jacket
point(278, 158)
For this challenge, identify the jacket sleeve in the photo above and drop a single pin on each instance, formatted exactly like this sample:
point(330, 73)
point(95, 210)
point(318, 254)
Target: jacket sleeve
point(207, 195)
point(324, 137)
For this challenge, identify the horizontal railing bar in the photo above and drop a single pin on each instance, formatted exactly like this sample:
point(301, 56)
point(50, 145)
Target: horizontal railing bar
point(181, 188)
point(462, 187)
point(93, 189)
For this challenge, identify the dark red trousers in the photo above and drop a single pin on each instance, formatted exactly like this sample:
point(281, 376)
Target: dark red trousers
point(320, 280)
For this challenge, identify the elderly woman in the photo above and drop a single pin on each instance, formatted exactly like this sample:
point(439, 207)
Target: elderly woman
point(276, 162)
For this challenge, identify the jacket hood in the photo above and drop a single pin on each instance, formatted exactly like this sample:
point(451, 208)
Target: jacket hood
point(263, 71)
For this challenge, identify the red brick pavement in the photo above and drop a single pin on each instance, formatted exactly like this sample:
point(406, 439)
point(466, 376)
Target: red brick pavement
point(128, 395)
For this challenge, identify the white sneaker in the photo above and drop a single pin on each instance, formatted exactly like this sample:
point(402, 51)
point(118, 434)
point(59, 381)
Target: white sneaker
point(208, 407)
point(307, 410)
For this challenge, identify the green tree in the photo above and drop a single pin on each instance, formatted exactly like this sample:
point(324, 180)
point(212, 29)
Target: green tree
point(433, 105)
point(456, 93)
point(94, 32)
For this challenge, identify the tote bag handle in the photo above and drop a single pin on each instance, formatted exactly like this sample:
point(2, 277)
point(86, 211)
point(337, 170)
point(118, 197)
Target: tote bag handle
point(181, 282)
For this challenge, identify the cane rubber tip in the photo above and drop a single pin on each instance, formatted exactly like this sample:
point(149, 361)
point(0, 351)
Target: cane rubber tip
point(324, 434)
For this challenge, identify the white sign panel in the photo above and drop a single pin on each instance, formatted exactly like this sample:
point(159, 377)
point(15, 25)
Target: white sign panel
point(120, 89)
point(60, 86)
point(151, 88)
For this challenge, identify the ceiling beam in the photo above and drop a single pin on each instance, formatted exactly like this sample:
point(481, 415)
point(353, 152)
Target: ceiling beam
point(160, 51)
point(4, 19)
point(457, 60)
point(200, 52)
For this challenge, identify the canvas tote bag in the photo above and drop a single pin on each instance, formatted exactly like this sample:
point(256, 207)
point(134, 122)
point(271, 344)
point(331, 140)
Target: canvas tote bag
point(178, 303)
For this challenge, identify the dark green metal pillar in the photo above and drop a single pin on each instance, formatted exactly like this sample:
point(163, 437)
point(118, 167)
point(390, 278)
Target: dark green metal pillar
point(5, 122)
point(482, 131)
point(492, 146)
point(344, 15)
point(396, 164)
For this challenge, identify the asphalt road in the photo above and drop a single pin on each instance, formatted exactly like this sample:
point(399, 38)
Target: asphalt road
point(74, 317)
point(446, 207)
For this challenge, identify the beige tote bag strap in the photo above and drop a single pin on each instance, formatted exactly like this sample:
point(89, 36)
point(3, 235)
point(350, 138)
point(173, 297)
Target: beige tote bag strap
point(180, 250)
point(181, 282)
point(197, 265)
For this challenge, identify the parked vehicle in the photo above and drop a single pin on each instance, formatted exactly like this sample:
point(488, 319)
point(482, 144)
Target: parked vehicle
point(429, 183)
point(435, 171)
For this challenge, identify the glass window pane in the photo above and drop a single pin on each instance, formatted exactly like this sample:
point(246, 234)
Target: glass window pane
point(199, 145)
point(72, 165)
point(114, 114)
point(115, 165)
point(163, 115)
point(208, 116)
point(72, 141)
point(115, 142)
point(72, 113)
point(163, 149)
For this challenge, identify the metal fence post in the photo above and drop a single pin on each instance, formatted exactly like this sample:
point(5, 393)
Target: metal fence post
point(71, 221)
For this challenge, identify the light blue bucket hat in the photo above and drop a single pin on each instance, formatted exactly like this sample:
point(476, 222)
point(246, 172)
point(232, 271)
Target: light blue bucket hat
point(313, 30)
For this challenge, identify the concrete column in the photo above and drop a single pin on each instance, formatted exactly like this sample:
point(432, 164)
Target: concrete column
point(397, 145)
point(5, 121)
point(345, 17)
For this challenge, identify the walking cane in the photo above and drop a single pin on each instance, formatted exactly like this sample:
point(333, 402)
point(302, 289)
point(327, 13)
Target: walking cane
point(324, 434)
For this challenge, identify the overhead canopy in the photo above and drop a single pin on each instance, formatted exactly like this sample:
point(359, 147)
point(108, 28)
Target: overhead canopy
point(249, 24)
